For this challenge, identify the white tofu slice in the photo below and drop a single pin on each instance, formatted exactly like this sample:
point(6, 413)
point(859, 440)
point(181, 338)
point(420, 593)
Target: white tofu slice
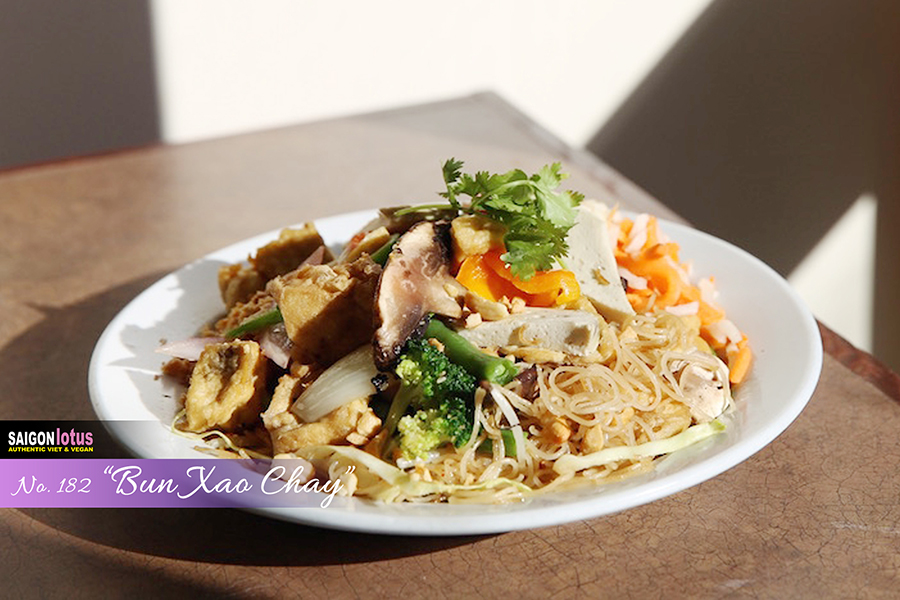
point(592, 261)
point(571, 331)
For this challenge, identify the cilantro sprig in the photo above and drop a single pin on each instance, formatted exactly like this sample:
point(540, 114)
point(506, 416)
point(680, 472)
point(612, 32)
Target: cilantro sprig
point(536, 214)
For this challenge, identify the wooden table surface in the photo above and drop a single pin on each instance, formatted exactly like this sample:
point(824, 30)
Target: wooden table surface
point(815, 514)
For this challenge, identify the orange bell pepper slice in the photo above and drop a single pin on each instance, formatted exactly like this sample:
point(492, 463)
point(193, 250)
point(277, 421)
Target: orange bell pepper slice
point(544, 288)
point(480, 279)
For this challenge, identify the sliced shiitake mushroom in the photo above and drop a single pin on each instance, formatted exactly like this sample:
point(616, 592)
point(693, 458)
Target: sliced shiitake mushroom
point(413, 284)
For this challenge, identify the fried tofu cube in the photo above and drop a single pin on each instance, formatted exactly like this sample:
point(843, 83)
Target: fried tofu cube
point(370, 242)
point(179, 369)
point(474, 234)
point(238, 283)
point(227, 387)
point(288, 252)
point(327, 310)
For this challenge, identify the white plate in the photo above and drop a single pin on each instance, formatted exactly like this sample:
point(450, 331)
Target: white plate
point(782, 332)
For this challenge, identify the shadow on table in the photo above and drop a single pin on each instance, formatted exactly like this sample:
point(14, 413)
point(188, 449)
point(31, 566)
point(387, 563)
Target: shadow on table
point(66, 337)
point(231, 537)
point(63, 338)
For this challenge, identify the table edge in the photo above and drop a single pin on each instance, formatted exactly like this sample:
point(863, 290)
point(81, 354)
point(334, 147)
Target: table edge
point(860, 362)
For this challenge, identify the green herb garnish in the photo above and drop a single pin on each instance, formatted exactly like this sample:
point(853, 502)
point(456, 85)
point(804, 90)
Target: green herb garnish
point(536, 214)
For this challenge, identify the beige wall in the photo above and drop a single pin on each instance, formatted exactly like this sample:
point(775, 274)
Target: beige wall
point(227, 66)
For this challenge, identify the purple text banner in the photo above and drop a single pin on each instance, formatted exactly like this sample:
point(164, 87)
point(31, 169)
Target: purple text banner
point(163, 483)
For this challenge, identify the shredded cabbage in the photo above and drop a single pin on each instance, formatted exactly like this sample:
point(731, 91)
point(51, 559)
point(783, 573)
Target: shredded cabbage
point(569, 463)
point(207, 436)
point(393, 482)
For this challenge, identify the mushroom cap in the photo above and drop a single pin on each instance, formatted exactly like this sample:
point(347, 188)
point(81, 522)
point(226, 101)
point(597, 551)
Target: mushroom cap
point(412, 285)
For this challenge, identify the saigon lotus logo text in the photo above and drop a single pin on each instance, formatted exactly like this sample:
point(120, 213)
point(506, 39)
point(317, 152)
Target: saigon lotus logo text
point(51, 441)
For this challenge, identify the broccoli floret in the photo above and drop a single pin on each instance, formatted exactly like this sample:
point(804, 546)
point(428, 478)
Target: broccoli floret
point(422, 432)
point(429, 428)
point(441, 394)
point(424, 365)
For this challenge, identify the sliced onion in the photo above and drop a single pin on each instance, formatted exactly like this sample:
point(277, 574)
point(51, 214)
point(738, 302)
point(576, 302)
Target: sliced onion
point(635, 282)
point(612, 225)
point(638, 234)
point(708, 291)
point(316, 257)
point(190, 348)
point(276, 345)
point(724, 330)
point(344, 381)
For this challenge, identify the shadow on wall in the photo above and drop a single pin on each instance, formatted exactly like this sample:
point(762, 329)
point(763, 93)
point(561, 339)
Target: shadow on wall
point(766, 121)
point(78, 78)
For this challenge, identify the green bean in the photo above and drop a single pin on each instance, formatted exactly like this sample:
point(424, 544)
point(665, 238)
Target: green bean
point(380, 256)
point(458, 349)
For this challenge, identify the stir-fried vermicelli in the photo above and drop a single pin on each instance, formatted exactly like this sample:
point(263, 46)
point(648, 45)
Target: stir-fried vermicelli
point(627, 394)
point(522, 343)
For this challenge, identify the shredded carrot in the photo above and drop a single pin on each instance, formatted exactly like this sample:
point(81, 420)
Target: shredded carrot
point(739, 363)
point(709, 314)
point(355, 240)
point(659, 250)
point(639, 299)
point(657, 261)
point(661, 276)
point(720, 347)
point(652, 233)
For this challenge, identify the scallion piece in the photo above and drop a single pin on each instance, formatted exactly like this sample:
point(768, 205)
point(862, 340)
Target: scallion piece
point(509, 444)
point(257, 323)
point(380, 256)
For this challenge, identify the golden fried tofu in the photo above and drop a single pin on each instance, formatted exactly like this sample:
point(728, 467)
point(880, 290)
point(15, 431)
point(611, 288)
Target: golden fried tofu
point(227, 387)
point(288, 252)
point(371, 241)
point(353, 423)
point(474, 234)
point(237, 283)
point(327, 310)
